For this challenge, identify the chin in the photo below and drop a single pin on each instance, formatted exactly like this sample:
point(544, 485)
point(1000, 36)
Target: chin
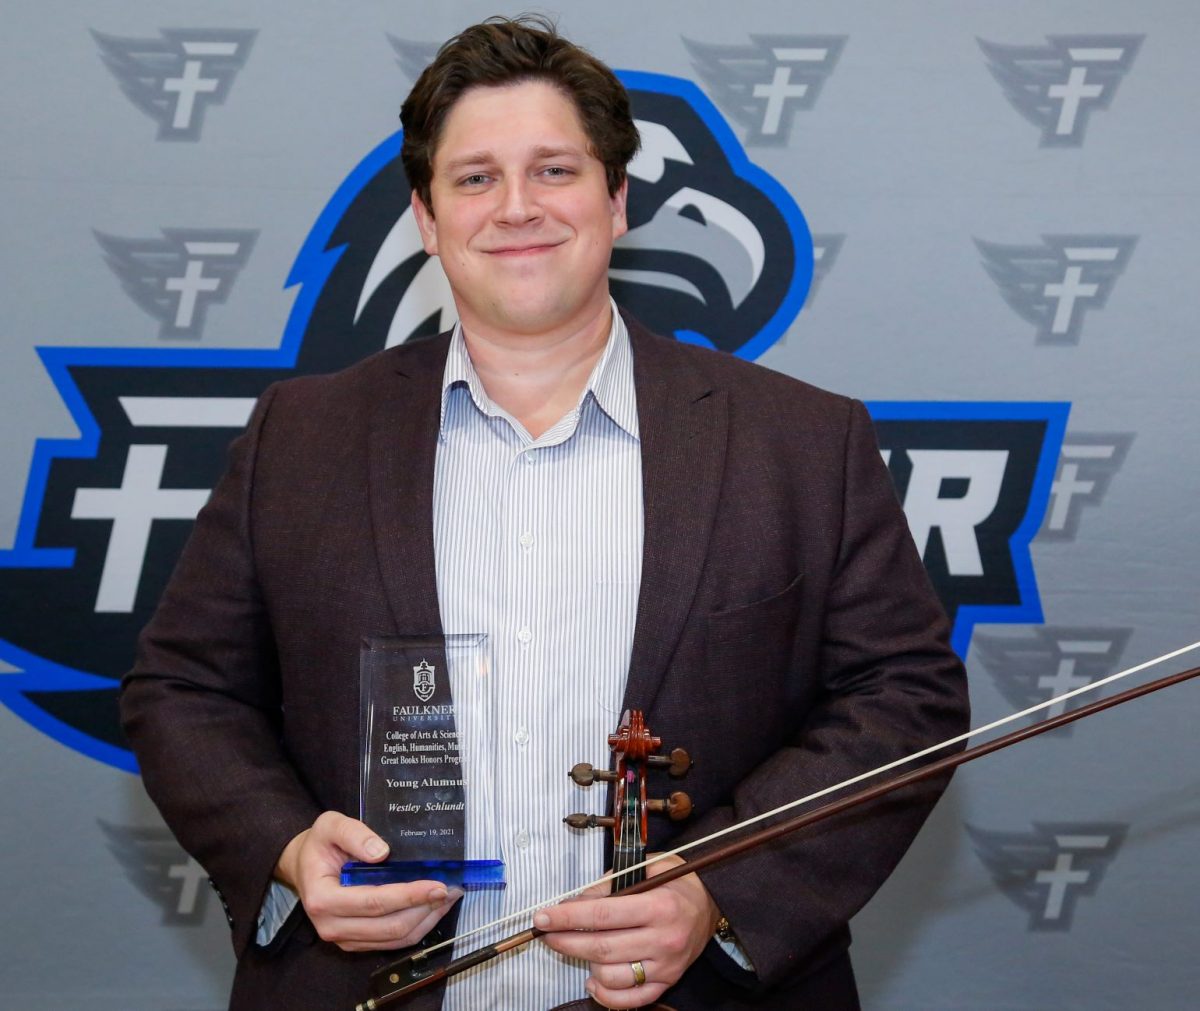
point(535, 316)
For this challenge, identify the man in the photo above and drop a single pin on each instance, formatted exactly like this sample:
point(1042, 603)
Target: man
point(634, 523)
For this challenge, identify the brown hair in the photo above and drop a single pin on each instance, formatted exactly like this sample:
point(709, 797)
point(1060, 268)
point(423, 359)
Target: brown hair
point(502, 51)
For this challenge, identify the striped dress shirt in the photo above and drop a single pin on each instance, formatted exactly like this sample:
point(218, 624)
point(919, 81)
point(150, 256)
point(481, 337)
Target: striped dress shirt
point(539, 545)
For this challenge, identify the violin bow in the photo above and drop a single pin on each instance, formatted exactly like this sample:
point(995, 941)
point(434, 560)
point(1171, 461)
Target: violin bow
point(394, 973)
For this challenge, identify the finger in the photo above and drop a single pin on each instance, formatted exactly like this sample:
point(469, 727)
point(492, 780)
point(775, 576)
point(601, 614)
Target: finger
point(627, 997)
point(396, 930)
point(595, 914)
point(350, 836)
point(331, 899)
point(621, 975)
point(600, 945)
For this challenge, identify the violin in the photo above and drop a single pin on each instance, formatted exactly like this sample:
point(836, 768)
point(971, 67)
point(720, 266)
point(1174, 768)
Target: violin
point(635, 752)
point(394, 989)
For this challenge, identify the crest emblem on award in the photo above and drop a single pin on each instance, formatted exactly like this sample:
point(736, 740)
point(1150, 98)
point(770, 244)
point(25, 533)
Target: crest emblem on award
point(424, 683)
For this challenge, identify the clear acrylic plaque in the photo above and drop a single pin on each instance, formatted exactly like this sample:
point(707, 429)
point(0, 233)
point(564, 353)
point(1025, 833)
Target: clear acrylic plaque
point(413, 790)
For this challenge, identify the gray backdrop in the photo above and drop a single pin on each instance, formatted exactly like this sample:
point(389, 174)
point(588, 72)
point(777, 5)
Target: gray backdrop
point(1003, 199)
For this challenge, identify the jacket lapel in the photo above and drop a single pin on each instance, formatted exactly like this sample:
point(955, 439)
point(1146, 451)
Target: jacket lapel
point(684, 426)
point(683, 422)
point(401, 452)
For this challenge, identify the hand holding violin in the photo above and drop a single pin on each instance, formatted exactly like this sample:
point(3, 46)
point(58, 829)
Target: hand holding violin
point(663, 931)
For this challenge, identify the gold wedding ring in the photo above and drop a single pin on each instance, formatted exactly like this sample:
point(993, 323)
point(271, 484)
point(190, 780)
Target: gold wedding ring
point(639, 973)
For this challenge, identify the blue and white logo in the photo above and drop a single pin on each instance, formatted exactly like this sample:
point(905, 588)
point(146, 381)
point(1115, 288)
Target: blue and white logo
point(974, 479)
point(718, 254)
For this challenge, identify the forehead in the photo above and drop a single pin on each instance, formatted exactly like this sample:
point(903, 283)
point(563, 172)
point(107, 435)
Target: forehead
point(510, 116)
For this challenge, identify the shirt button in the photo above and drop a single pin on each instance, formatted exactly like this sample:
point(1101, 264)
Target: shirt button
point(523, 839)
point(529, 457)
point(524, 635)
point(526, 540)
point(521, 736)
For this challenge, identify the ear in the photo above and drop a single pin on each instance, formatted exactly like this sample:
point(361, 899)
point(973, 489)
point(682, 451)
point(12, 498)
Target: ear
point(617, 200)
point(426, 224)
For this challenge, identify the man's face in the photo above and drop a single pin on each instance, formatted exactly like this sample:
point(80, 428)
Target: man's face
point(521, 216)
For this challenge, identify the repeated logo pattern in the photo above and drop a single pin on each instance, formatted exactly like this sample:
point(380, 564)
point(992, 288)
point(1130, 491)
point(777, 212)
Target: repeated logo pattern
point(826, 248)
point(174, 79)
point(1086, 468)
point(412, 55)
point(1053, 285)
point(764, 84)
point(176, 278)
point(969, 498)
point(1048, 661)
point(161, 871)
point(1048, 870)
point(1057, 86)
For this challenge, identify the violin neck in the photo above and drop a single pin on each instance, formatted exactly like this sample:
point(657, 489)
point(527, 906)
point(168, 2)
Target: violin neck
point(628, 856)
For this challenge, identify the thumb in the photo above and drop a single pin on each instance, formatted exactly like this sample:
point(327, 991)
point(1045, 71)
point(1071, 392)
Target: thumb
point(351, 836)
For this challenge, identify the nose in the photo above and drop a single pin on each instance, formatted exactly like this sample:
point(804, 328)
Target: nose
point(518, 202)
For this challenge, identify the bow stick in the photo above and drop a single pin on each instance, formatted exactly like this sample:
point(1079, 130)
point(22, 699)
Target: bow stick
point(393, 973)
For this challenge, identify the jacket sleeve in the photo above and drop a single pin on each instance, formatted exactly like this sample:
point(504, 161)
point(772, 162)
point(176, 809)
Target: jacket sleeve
point(888, 686)
point(201, 706)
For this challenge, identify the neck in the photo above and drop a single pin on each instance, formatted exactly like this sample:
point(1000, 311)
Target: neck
point(538, 379)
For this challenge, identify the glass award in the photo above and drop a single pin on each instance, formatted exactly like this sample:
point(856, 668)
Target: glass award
point(413, 790)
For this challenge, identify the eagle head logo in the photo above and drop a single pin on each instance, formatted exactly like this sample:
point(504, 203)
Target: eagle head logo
point(718, 253)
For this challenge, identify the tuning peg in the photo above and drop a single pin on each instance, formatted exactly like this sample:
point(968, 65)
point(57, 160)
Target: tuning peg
point(590, 821)
point(584, 774)
point(677, 806)
point(677, 763)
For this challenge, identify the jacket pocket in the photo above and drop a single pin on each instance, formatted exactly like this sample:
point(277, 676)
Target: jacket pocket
point(755, 640)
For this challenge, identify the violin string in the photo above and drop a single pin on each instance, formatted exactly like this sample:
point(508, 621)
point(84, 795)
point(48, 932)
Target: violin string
point(825, 791)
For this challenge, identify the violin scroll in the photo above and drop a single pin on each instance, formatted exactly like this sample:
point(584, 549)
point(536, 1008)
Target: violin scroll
point(635, 752)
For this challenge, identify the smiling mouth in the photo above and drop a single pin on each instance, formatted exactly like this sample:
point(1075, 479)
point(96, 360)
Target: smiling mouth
point(518, 251)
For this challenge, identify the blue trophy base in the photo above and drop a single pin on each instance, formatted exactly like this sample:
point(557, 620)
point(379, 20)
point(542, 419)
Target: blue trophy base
point(469, 875)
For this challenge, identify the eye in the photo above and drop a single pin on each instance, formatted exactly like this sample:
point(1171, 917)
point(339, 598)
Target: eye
point(474, 179)
point(556, 171)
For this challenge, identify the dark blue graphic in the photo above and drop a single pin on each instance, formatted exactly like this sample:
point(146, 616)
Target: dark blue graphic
point(975, 479)
point(106, 515)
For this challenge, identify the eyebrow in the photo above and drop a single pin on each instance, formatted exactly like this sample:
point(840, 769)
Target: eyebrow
point(474, 158)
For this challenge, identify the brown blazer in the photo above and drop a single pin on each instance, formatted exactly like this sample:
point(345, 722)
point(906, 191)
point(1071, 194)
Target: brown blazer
point(787, 636)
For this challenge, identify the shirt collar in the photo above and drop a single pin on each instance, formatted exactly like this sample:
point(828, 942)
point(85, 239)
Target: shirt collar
point(610, 384)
